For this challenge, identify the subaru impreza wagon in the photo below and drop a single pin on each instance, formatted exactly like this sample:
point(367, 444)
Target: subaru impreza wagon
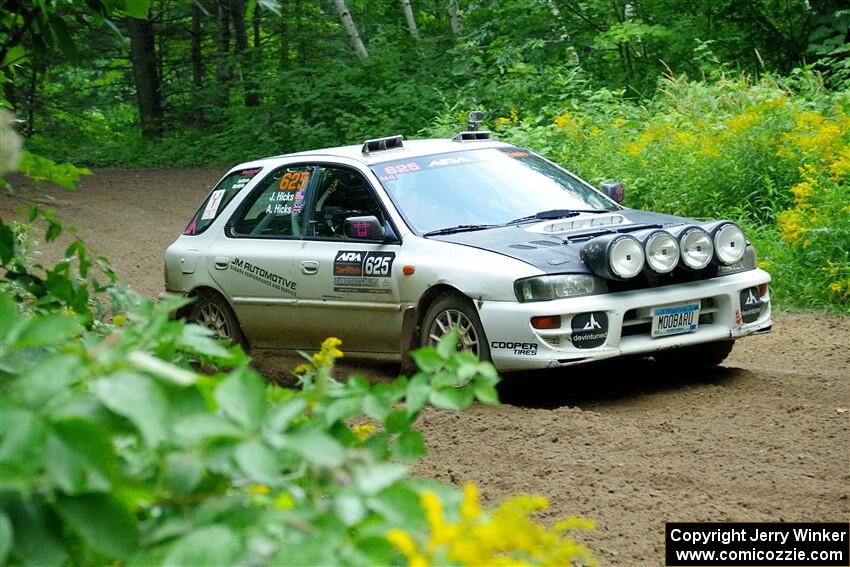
point(392, 244)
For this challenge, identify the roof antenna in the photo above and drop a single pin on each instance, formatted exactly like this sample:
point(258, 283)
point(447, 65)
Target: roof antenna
point(475, 117)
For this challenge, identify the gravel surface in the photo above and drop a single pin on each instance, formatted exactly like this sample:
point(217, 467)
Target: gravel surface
point(762, 438)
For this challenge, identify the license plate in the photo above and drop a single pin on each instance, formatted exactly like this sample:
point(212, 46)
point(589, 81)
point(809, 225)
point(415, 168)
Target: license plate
point(675, 319)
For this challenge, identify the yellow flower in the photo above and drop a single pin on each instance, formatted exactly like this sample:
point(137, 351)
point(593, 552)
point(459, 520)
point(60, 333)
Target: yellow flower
point(362, 430)
point(501, 121)
point(563, 120)
point(508, 536)
point(329, 346)
point(792, 225)
point(802, 191)
point(740, 123)
point(840, 168)
point(469, 508)
point(258, 489)
point(119, 320)
point(514, 115)
point(303, 368)
point(284, 501)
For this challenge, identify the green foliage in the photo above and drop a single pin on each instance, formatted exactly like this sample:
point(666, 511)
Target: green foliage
point(43, 169)
point(773, 155)
point(114, 448)
point(106, 456)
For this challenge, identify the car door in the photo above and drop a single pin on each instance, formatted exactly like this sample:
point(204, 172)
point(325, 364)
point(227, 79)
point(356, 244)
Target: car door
point(351, 286)
point(253, 261)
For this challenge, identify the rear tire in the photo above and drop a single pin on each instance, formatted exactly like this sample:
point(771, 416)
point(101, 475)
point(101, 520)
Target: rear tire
point(706, 355)
point(451, 311)
point(210, 310)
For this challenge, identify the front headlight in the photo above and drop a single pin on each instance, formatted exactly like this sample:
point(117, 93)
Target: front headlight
point(747, 262)
point(696, 248)
point(729, 241)
point(545, 288)
point(614, 256)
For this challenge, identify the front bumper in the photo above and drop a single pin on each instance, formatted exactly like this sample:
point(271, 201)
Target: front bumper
point(516, 345)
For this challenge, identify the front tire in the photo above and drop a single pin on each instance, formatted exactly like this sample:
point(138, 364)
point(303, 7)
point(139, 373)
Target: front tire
point(706, 355)
point(210, 310)
point(453, 312)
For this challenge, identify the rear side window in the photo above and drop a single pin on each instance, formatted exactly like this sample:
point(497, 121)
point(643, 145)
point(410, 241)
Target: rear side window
point(218, 199)
point(274, 209)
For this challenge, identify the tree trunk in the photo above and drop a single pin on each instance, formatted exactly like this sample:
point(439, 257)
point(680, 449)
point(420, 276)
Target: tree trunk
point(223, 72)
point(283, 28)
point(148, 93)
point(252, 94)
point(457, 28)
point(241, 32)
point(351, 29)
point(408, 15)
point(31, 101)
point(197, 63)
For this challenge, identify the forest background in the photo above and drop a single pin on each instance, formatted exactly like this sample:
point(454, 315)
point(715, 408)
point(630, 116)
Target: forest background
point(130, 438)
point(702, 108)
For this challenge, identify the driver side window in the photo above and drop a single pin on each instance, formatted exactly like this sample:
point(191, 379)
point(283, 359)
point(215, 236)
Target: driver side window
point(340, 193)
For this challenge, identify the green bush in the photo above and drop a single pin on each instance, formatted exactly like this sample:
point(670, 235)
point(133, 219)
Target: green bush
point(114, 448)
point(772, 155)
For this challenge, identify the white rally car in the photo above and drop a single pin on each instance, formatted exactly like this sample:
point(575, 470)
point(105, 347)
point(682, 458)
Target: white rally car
point(392, 244)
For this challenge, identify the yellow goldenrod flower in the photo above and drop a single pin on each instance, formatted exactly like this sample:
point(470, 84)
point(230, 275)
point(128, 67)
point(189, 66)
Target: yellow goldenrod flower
point(362, 430)
point(284, 501)
point(792, 225)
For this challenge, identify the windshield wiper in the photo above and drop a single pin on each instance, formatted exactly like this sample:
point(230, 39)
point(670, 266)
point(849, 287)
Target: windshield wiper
point(556, 214)
point(460, 228)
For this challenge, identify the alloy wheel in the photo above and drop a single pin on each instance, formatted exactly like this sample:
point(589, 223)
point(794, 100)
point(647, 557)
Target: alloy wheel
point(452, 319)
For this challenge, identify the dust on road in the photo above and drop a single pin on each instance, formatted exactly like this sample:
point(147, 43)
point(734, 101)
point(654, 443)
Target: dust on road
point(762, 438)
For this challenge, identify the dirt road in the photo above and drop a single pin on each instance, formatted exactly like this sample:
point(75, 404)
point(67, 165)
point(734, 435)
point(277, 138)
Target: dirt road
point(765, 437)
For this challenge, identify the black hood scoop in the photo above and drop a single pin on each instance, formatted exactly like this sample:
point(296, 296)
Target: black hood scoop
point(558, 253)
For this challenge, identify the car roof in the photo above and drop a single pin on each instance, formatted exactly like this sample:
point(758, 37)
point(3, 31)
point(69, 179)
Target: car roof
point(410, 149)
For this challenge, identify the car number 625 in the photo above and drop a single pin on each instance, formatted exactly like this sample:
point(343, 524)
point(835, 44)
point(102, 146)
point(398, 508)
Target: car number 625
point(377, 266)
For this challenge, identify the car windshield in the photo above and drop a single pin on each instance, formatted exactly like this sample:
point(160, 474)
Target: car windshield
point(481, 188)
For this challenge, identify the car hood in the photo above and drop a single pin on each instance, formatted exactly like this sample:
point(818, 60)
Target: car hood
point(554, 246)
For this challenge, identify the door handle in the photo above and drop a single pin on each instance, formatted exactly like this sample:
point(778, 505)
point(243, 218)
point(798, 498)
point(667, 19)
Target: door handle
point(221, 262)
point(310, 267)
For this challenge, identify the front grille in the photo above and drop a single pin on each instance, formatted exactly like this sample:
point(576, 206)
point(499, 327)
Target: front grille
point(635, 324)
point(649, 279)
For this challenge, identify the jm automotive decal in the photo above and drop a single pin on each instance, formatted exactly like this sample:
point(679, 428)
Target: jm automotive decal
point(262, 275)
point(356, 271)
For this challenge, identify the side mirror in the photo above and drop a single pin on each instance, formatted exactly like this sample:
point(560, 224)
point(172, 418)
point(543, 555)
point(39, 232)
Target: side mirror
point(613, 190)
point(363, 228)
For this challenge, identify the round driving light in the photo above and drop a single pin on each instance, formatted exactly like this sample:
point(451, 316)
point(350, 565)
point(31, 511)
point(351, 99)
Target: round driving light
point(662, 251)
point(729, 243)
point(626, 257)
point(696, 248)
point(614, 256)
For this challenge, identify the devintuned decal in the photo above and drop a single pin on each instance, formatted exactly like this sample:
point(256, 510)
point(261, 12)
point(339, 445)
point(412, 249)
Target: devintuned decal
point(356, 271)
point(518, 349)
point(271, 279)
point(589, 329)
point(750, 304)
